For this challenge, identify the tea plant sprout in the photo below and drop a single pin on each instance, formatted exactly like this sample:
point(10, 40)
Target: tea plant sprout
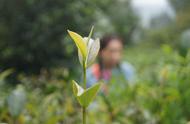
point(87, 51)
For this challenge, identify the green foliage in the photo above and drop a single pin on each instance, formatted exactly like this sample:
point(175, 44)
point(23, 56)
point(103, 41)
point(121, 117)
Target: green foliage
point(160, 94)
point(4, 74)
point(85, 97)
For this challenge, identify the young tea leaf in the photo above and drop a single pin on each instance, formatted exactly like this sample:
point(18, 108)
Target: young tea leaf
point(93, 49)
point(81, 45)
point(85, 97)
point(77, 89)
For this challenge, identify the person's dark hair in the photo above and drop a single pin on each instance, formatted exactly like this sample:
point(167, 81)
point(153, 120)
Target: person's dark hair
point(105, 40)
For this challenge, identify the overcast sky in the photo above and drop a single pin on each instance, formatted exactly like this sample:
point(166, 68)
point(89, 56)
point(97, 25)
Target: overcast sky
point(149, 8)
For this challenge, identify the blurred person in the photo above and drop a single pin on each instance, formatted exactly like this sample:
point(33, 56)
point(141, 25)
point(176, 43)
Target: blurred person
point(110, 63)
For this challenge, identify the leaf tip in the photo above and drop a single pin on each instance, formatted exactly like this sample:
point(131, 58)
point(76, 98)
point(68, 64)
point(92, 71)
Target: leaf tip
point(68, 31)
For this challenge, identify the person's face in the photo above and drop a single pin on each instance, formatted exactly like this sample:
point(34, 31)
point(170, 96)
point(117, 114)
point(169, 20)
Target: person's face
point(112, 54)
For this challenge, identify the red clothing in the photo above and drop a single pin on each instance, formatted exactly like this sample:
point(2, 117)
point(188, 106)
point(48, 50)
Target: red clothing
point(104, 74)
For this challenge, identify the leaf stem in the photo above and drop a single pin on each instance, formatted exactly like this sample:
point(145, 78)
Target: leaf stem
point(84, 108)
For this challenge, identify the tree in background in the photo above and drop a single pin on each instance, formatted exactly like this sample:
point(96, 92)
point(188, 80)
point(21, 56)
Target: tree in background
point(182, 25)
point(182, 9)
point(33, 33)
point(121, 18)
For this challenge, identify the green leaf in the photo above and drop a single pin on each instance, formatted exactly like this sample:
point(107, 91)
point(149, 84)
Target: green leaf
point(81, 45)
point(77, 89)
point(90, 34)
point(5, 73)
point(93, 49)
point(16, 101)
point(85, 97)
point(80, 58)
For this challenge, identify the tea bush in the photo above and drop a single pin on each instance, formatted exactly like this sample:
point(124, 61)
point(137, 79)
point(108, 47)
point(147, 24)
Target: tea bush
point(160, 94)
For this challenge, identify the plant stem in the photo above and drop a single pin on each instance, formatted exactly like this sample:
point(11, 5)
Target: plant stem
point(84, 77)
point(14, 120)
point(84, 115)
point(84, 108)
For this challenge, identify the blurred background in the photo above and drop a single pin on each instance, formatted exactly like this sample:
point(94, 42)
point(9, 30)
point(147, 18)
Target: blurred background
point(38, 60)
